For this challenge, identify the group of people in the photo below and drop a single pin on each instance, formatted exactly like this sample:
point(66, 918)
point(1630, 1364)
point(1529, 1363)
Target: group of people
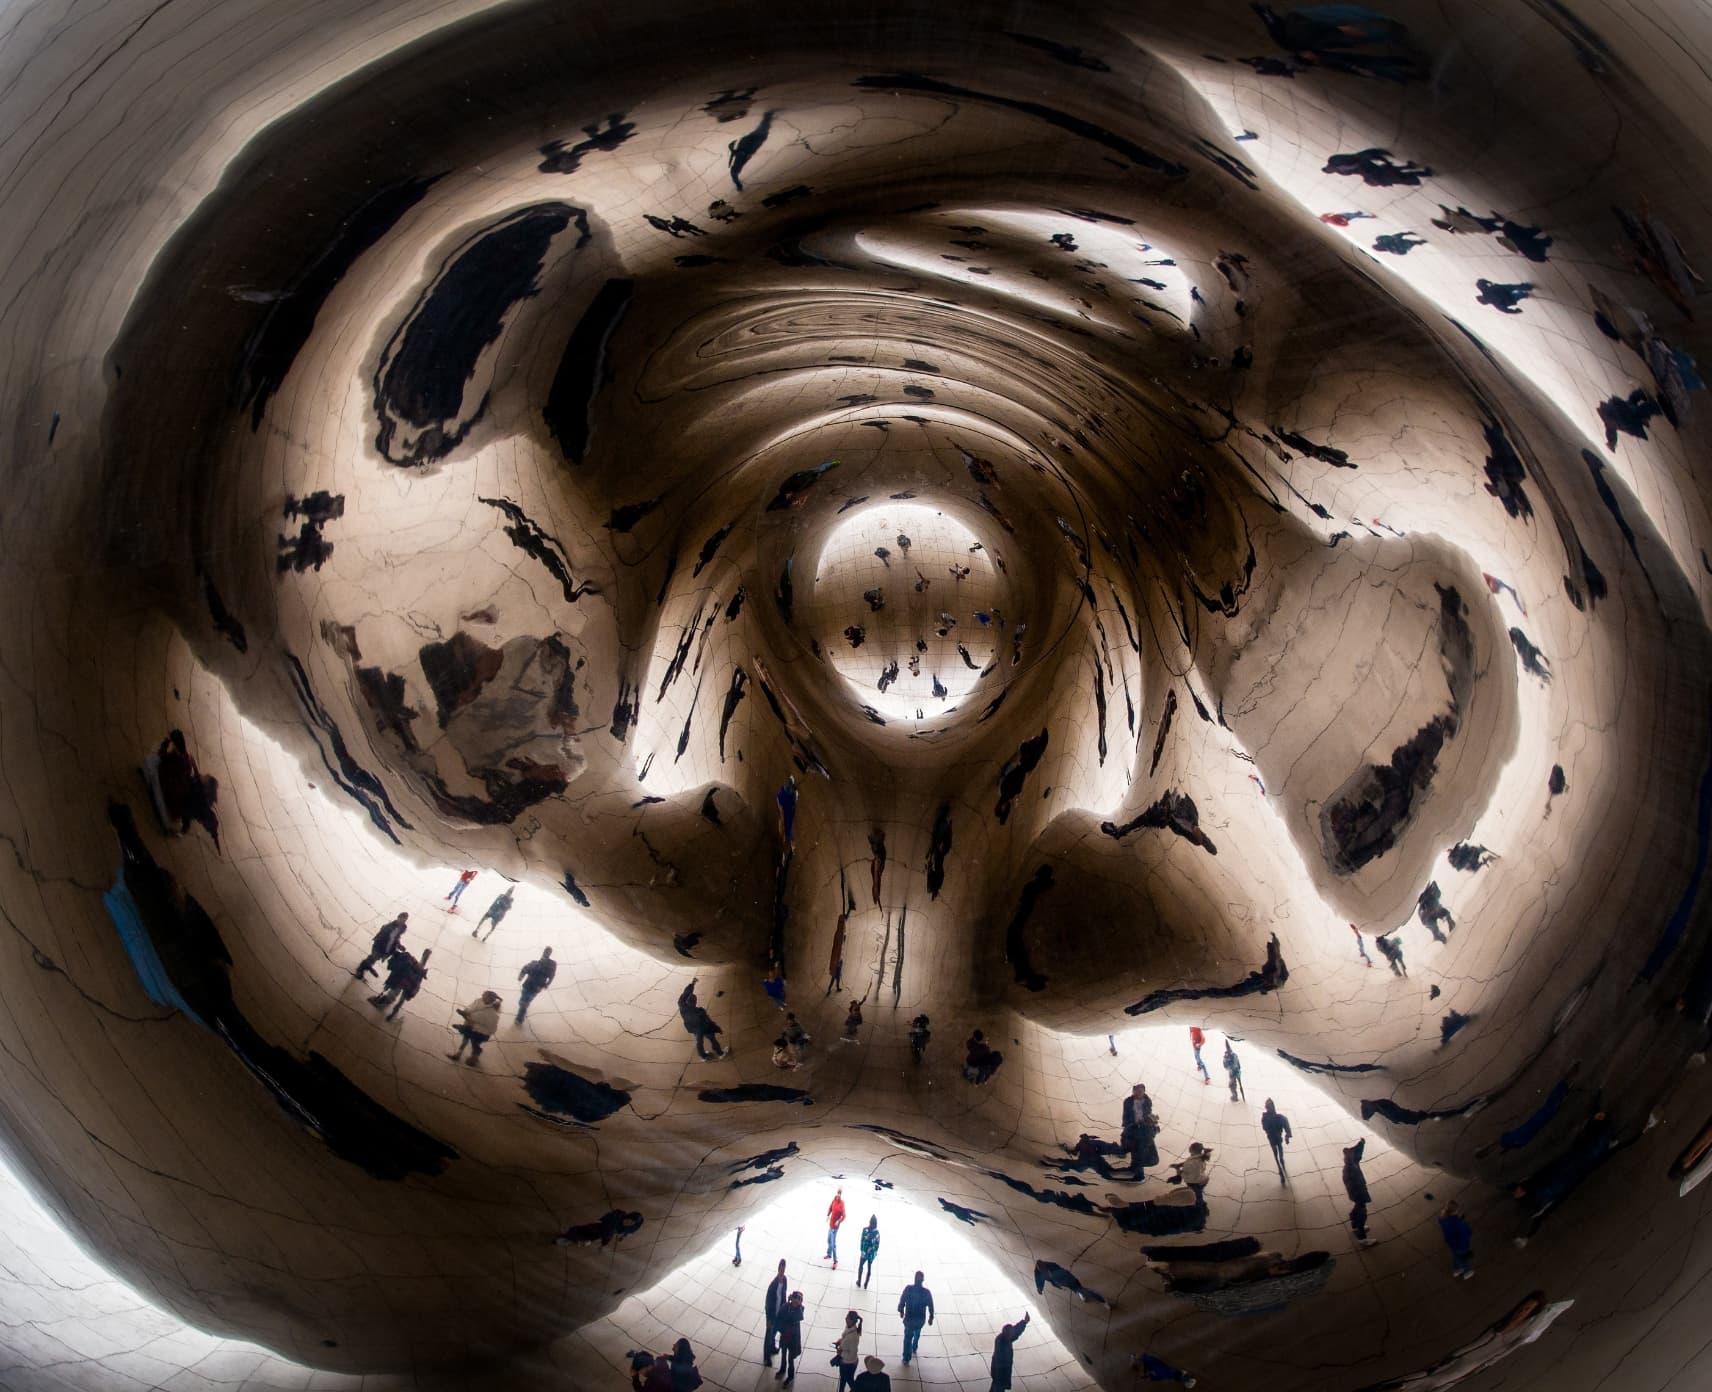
point(665, 1372)
point(406, 973)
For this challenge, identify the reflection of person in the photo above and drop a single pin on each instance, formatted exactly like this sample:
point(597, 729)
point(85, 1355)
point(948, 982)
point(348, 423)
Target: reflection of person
point(1153, 1369)
point(536, 977)
point(777, 1289)
point(1355, 1186)
point(1459, 1237)
point(1004, 1354)
point(1192, 1170)
point(915, 1306)
point(1233, 1070)
point(1197, 1042)
point(494, 913)
point(853, 1022)
point(870, 1250)
point(385, 943)
point(836, 963)
point(404, 978)
point(481, 1019)
point(456, 892)
point(1139, 1129)
point(790, 1337)
point(834, 1221)
point(873, 1376)
point(845, 1350)
point(784, 1055)
point(1277, 1128)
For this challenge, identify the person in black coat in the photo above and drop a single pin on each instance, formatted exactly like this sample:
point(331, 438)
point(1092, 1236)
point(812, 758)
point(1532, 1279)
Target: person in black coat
point(777, 1291)
point(404, 978)
point(1355, 1185)
point(1004, 1354)
point(1139, 1129)
point(384, 945)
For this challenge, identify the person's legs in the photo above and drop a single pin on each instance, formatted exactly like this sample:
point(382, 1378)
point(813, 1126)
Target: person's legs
point(393, 1013)
point(770, 1345)
point(866, 1264)
point(476, 1042)
point(1358, 1221)
point(463, 1041)
point(384, 996)
point(912, 1336)
point(527, 994)
point(1158, 1370)
point(365, 966)
point(846, 1376)
point(1278, 1156)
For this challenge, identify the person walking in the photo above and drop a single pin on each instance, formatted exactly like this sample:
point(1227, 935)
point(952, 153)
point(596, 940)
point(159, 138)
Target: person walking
point(877, 866)
point(494, 913)
point(1233, 1070)
point(836, 963)
point(686, 1377)
point(1153, 1369)
point(844, 1350)
point(774, 985)
point(1355, 1185)
point(1197, 1040)
point(1004, 1354)
point(1139, 1129)
point(873, 1377)
point(404, 978)
point(853, 1022)
point(1193, 1170)
point(790, 1338)
point(778, 1290)
point(385, 943)
point(1360, 946)
point(1277, 1128)
point(457, 891)
point(481, 1019)
point(834, 1221)
point(1392, 951)
point(1459, 1237)
point(536, 977)
point(915, 1305)
point(870, 1250)
point(795, 1035)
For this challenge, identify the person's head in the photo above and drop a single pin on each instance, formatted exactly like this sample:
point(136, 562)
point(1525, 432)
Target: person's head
point(796, 1297)
point(427, 952)
point(1269, 1107)
point(781, 1043)
point(850, 1318)
point(546, 952)
point(1196, 1148)
point(977, 1036)
point(1354, 1152)
point(403, 917)
point(491, 997)
point(920, 1276)
point(873, 1220)
point(1139, 1090)
point(1452, 1208)
point(873, 1364)
point(790, 1017)
point(682, 1352)
point(640, 1359)
point(781, 1267)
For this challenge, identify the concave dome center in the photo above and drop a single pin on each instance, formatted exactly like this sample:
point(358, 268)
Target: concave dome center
point(910, 610)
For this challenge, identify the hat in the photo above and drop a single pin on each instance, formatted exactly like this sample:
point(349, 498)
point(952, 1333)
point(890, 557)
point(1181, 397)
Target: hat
point(873, 1364)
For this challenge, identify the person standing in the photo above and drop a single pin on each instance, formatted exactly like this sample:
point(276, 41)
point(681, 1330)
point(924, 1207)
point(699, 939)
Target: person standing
point(774, 985)
point(845, 1350)
point(1153, 1369)
point(1277, 1128)
point(873, 1377)
point(457, 891)
point(1233, 1070)
point(494, 913)
point(836, 965)
point(404, 978)
point(1360, 946)
point(790, 1338)
point(1459, 1237)
point(385, 943)
point(853, 1022)
point(877, 866)
point(870, 1250)
point(1197, 1041)
point(1004, 1354)
point(915, 1305)
point(777, 1290)
point(536, 977)
point(1139, 1130)
point(686, 1377)
point(1355, 1185)
point(834, 1221)
point(481, 1019)
point(787, 800)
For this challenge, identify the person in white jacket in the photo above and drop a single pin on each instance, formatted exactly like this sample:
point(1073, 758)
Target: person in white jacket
point(848, 1344)
point(481, 1019)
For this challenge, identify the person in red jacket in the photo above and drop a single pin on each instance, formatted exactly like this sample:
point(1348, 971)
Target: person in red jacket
point(1196, 1041)
point(834, 1221)
point(457, 890)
